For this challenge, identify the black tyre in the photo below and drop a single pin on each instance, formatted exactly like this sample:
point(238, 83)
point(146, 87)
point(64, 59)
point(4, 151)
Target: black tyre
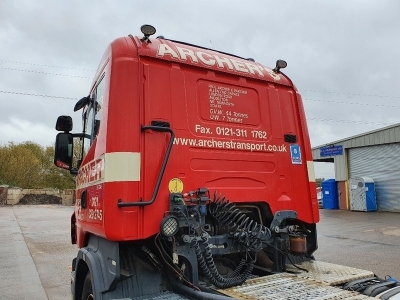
point(87, 291)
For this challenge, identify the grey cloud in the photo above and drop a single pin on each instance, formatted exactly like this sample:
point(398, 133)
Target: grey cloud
point(344, 47)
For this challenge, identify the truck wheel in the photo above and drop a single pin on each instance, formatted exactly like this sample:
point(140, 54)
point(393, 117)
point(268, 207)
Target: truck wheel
point(87, 292)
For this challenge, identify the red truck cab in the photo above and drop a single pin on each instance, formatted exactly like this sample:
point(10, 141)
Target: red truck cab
point(181, 135)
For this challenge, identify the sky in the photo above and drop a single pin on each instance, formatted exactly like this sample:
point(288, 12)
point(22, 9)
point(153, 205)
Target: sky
point(343, 56)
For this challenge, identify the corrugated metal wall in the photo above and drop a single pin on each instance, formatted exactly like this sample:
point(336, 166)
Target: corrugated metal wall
point(382, 164)
point(341, 167)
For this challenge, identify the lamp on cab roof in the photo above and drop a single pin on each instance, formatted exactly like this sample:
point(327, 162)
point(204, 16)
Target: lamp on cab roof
point(280, 64)
point(147, 30)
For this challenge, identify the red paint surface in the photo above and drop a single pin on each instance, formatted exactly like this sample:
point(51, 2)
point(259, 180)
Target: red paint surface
point(232, 156)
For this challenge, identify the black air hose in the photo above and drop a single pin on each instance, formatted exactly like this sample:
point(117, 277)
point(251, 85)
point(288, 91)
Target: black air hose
point(187, 291)
point(244, 230)
point(207, 265)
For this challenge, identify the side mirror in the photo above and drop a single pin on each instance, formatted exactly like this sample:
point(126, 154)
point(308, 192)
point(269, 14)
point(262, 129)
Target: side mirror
point(64, 123)
point(64, 149)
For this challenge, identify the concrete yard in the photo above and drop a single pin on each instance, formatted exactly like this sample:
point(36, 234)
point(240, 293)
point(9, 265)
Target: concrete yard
point(36, 253)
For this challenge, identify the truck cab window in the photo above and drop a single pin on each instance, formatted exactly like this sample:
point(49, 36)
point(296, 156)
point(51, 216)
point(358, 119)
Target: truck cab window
point(88, 128)
point(98, 112)
point(93, 115)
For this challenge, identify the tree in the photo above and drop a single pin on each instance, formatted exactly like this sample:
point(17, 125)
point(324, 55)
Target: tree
point(318, 181)
point(29, 165)
point(19, 166)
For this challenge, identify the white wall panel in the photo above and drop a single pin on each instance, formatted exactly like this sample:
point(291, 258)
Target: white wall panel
point(382, 164)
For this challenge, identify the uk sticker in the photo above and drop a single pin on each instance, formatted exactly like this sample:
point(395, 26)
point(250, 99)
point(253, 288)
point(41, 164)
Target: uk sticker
point(295, 154)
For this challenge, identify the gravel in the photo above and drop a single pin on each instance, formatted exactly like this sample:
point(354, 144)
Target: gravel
point(39, 199)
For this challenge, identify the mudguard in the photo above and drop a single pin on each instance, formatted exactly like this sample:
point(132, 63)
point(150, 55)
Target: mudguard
point(101, 258)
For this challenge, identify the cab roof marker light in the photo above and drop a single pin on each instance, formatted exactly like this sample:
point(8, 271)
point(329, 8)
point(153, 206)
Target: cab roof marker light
point(147, 30)
point(280, 64)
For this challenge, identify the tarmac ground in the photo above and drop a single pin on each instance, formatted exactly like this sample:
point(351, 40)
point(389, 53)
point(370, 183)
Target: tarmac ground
point(365, 240)
point(36, 252)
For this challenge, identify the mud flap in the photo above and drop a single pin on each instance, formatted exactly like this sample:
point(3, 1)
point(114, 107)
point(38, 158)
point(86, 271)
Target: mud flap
point(102, 260)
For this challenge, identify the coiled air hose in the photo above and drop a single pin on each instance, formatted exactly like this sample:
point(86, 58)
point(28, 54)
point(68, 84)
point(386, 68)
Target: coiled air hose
point(242, 229)
point(207, 265)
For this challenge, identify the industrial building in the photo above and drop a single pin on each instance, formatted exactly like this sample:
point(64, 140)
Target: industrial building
point(373, 155)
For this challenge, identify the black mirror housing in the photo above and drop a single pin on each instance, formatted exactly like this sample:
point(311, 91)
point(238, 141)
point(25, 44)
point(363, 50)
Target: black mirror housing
point(64, 150)
point(82, 103)
point(64, 123)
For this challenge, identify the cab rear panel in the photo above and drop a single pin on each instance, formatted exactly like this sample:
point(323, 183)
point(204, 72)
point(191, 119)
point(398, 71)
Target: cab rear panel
point(239, 130)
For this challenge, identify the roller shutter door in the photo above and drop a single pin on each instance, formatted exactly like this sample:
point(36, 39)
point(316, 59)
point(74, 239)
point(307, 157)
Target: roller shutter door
point(382, 164)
